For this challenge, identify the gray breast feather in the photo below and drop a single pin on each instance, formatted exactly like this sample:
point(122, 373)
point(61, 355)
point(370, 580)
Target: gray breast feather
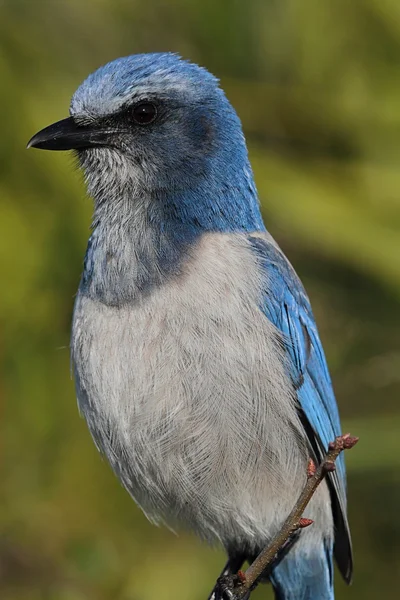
point(186, 394)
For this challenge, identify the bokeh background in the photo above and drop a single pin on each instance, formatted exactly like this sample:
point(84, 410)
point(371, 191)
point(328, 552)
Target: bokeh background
point(317, 86)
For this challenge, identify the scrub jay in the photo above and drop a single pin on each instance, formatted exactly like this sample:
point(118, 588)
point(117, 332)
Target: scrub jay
point(196, 357)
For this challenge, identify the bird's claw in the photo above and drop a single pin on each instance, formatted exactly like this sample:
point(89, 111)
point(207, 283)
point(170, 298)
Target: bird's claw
point(225, 589)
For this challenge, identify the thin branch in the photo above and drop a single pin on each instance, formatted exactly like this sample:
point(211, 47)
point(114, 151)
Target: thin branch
point(244, 582)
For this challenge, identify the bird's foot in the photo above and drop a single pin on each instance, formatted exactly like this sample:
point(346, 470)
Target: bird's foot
point(227, 585)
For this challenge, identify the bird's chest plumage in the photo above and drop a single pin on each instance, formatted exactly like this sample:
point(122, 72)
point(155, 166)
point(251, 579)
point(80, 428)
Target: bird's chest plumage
point(186, 389)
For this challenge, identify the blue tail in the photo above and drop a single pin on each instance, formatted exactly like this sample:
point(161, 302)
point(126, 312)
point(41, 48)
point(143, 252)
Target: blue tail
point(305, 575)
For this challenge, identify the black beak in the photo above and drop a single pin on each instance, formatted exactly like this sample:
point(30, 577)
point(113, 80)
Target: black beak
point(68, 135)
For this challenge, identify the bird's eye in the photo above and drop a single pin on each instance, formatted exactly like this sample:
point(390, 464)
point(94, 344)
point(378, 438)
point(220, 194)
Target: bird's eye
point(144, 113)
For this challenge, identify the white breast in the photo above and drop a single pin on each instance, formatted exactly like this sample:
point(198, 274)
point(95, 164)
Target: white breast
point(187, 395)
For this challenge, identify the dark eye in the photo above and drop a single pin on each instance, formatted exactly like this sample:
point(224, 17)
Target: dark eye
point(144, 113)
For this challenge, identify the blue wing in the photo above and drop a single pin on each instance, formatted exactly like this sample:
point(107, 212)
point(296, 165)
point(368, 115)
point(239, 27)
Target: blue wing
point(287, 306)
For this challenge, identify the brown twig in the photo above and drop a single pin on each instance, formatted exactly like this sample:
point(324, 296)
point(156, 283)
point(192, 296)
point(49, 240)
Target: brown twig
point(247, 581)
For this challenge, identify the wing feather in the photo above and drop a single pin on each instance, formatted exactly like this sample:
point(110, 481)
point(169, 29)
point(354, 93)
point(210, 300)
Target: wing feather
point(287, 306)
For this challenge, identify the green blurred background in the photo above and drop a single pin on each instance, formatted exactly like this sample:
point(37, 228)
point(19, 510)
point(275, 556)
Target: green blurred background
point(317, 85)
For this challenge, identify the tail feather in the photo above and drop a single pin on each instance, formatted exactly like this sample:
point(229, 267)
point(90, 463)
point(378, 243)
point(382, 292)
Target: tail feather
point(305, 575)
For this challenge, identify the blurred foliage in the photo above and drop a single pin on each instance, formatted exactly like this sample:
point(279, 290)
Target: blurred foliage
point(318, 89)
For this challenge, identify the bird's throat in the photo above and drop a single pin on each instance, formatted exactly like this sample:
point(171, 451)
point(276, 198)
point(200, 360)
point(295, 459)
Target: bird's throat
point(133, 253)
point(143, 236)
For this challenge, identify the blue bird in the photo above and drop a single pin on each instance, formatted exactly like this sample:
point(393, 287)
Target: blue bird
point(197, 360)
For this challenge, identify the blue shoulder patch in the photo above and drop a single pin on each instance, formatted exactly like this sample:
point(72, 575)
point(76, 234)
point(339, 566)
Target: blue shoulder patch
point(287, 306)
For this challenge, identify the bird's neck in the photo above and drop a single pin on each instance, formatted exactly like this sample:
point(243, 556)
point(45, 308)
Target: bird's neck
point(142, 238)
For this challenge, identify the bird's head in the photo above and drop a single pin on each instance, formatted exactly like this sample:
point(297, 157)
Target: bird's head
point(153, 123)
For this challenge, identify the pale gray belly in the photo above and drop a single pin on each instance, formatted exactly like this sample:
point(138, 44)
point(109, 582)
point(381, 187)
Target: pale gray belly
point(188, 398)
